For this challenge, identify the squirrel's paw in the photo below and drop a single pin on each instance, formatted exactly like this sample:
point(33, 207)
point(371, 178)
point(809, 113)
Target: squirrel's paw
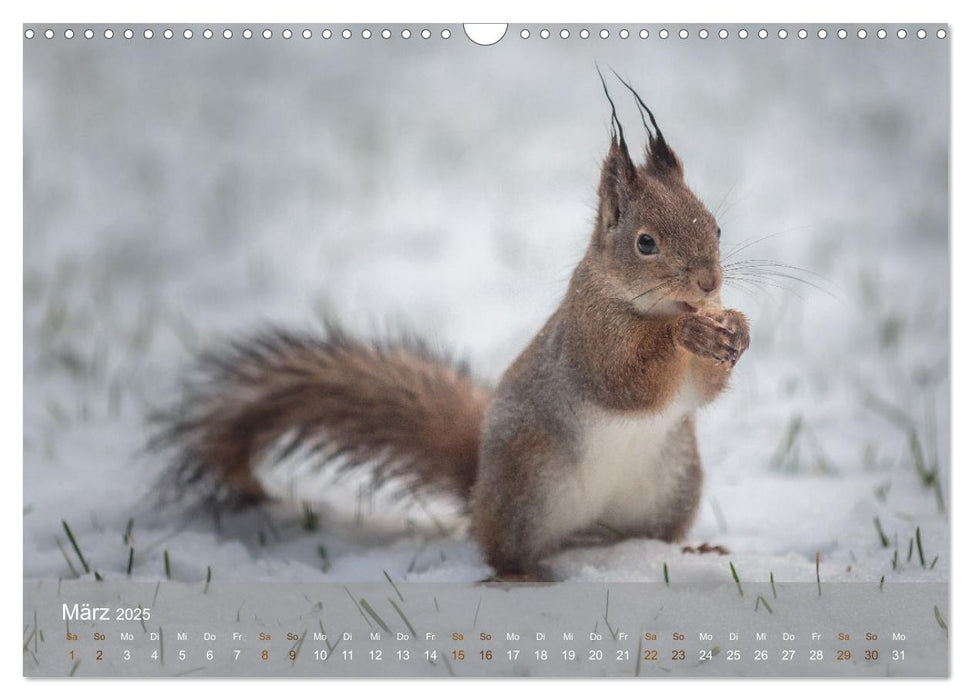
point(718, 335)
point(737, 326)
point(704, 548)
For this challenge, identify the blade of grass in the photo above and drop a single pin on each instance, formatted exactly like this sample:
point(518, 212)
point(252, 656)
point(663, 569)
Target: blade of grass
point(324, 559)
point(819, 583)
point(475, 618)
point(737, 581)
point(354, 600)
point(884, 541)
point(401, 597)
point(310, 520)
point(74, 543)
point(297, 646)
point(373, 613)
point(784, 457)
point(401, 614)
point(70, 564)
point(940, 620)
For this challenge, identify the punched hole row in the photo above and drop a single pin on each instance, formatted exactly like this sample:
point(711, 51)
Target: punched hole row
point(446, 33)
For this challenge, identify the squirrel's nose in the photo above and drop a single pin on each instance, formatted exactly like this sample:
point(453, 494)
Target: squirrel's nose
point(707, 280)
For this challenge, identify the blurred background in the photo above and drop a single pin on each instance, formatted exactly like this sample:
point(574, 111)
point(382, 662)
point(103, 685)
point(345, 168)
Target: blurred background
point(179, 192)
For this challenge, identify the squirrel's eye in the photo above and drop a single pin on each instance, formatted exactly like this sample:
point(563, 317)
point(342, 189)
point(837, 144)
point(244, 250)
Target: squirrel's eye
point(719, 233)
point(646, 245)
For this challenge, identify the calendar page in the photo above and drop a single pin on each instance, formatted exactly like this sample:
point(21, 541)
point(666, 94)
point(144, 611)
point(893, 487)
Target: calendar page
point(443, 350)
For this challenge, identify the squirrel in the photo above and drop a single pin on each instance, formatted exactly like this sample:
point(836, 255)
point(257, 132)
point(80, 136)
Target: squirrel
point(592, 426)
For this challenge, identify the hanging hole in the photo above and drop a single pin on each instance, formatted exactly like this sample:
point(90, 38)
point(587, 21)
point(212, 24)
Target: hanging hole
point(485, 34)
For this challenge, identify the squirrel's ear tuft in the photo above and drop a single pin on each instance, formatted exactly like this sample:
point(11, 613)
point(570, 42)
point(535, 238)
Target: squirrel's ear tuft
point(618, 175)
point(617, 181)
point(661, 157)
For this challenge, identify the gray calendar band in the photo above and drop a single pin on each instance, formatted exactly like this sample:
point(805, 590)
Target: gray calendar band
point(89, 628)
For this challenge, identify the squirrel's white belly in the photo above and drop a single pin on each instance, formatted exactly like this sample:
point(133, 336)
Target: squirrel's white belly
point(624, 478)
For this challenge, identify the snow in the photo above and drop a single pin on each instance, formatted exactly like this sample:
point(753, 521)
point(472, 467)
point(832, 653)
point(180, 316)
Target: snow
point(179, 194)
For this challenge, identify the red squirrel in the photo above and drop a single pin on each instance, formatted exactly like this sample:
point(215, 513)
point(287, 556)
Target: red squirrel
point(592, 426)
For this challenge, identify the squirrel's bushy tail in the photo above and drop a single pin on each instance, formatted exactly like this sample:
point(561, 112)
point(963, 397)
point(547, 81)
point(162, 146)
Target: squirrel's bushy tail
point(397, 407)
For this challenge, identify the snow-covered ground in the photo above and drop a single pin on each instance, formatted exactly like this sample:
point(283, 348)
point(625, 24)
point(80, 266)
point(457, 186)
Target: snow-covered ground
point(177, 193)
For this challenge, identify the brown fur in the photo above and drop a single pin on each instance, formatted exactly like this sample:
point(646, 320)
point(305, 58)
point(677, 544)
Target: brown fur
point(398, 406)
point(636, 333)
